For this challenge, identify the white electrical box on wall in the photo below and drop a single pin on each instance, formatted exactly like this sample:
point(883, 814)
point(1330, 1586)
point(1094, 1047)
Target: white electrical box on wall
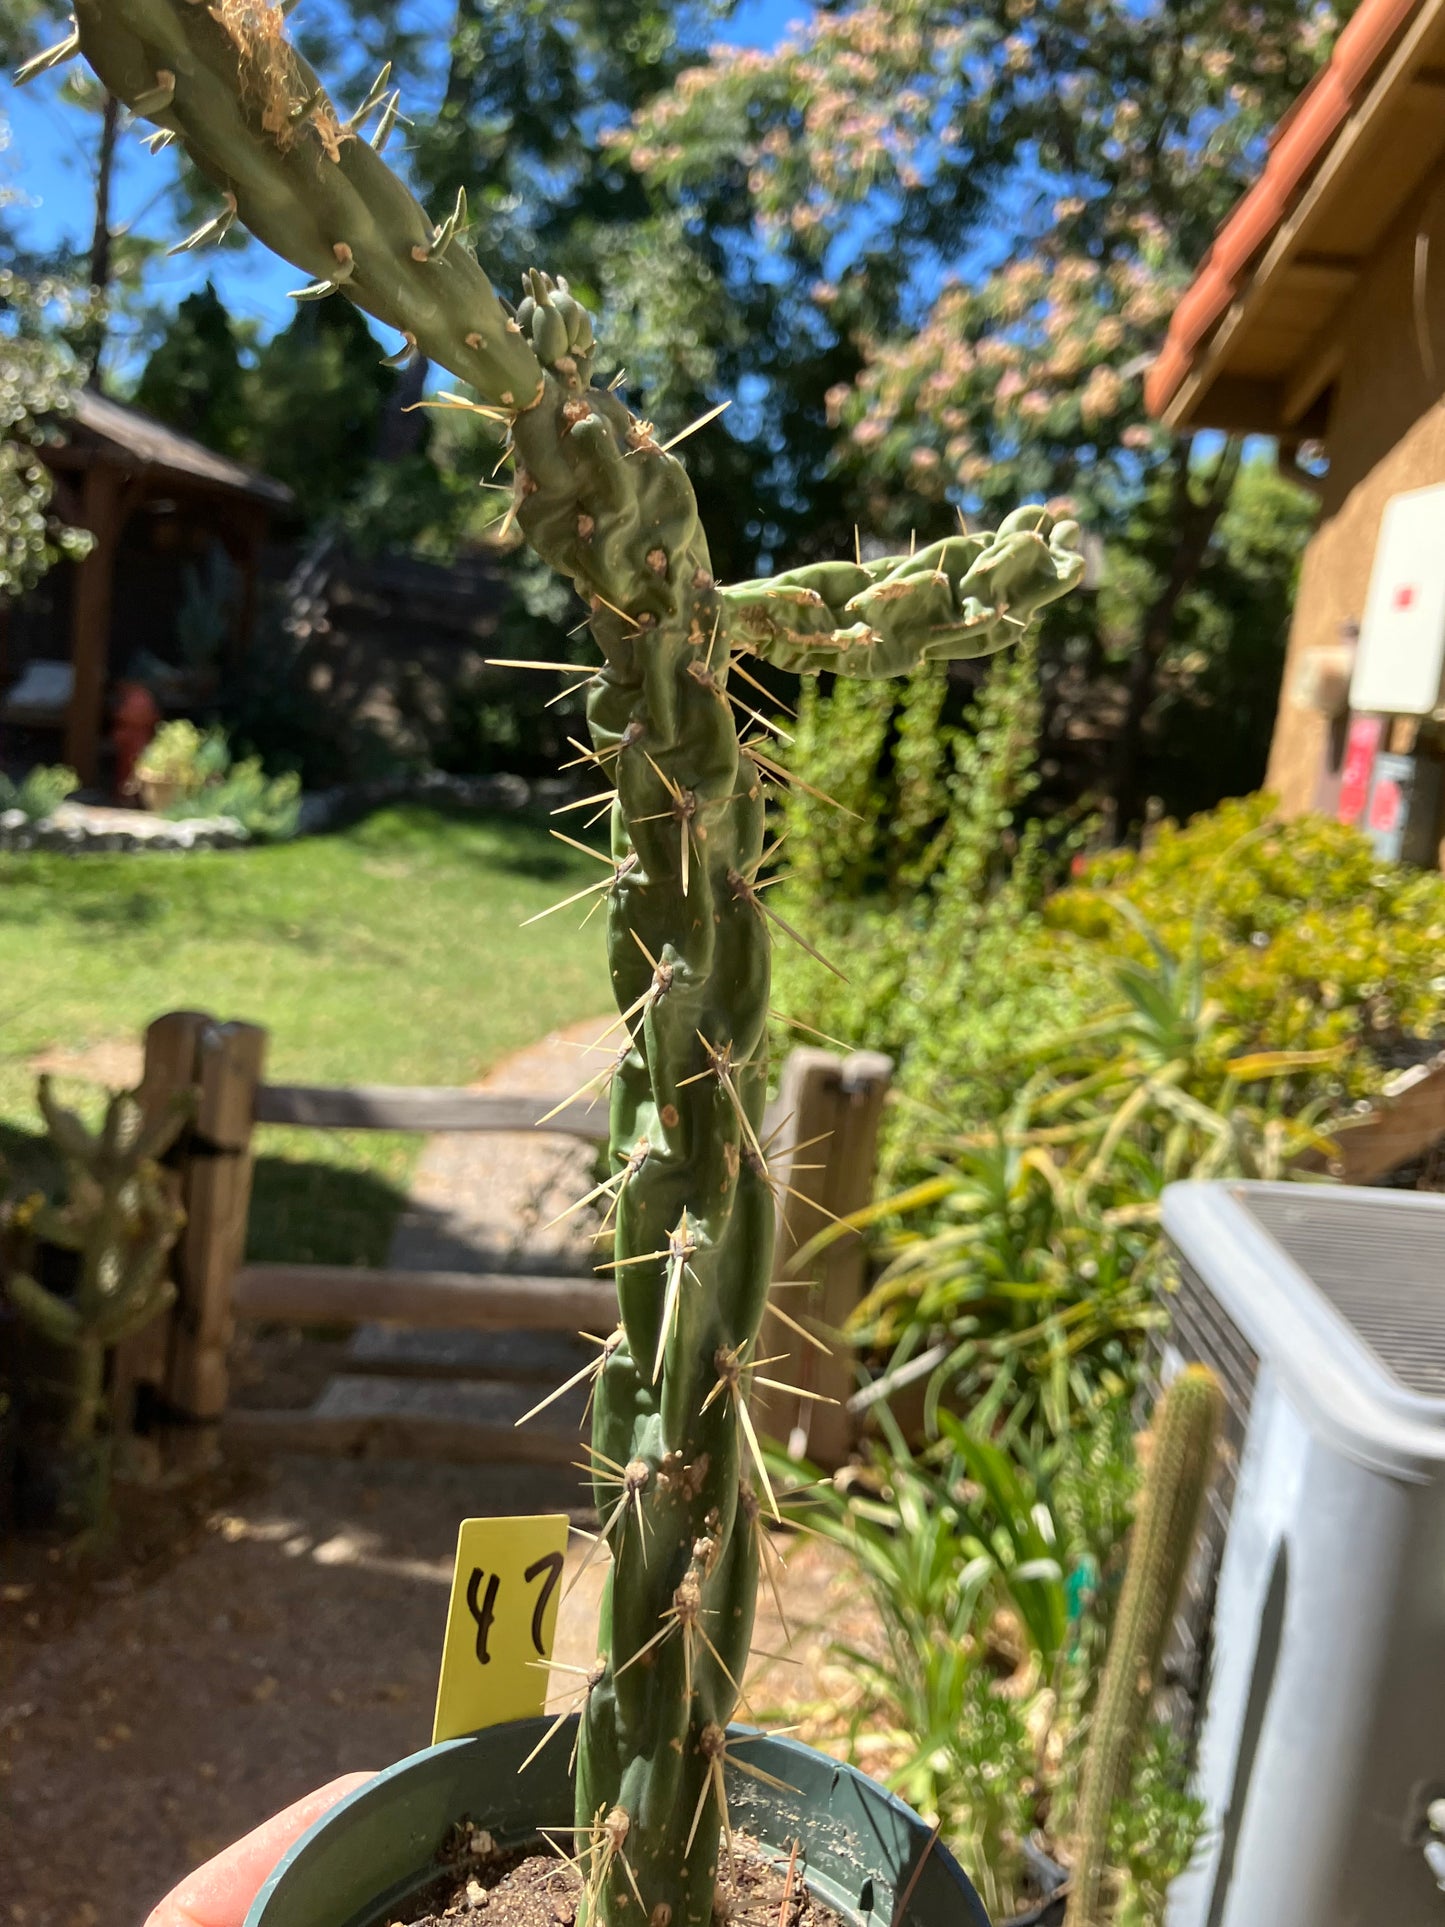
point(1400, 662)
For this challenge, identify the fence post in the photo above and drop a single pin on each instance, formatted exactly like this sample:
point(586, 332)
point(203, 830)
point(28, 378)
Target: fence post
point(171, 1043)
point(217, 1195)
point(834, 1106)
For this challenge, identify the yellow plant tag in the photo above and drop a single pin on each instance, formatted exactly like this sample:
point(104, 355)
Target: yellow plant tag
point(501, 1622)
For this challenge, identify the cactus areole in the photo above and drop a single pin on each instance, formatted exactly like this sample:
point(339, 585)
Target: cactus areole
point(676, 1471)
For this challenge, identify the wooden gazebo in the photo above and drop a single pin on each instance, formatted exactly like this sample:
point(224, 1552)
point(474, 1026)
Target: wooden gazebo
point(152, 498)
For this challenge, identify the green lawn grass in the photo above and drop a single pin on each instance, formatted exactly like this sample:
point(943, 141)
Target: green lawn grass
point(388, 953)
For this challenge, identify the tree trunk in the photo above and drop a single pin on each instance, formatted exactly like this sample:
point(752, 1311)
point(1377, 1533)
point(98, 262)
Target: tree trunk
point(100, 246)
point(1192, 526)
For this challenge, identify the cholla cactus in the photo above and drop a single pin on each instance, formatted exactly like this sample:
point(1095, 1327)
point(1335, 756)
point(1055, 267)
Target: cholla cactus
point(1184, 1441)
point(677, 1473)
point(120, 1217)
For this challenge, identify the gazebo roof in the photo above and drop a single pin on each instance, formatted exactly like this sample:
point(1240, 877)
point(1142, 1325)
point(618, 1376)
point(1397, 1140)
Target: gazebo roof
point(140, 443)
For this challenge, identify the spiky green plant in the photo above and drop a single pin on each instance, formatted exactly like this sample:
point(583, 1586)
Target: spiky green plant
point(120, 1217)
point(608, 505)
point(1185, 1438)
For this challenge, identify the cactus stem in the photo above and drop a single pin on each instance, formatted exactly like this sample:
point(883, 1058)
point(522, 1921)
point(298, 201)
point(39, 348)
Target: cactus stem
point(155, 100)
point(55, 56)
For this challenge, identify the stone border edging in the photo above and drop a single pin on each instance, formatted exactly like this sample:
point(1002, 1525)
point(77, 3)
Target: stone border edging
point(78, 829)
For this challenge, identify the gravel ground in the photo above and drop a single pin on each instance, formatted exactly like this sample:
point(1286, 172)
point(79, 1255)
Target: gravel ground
point(236, 1645)
point(285, 1632)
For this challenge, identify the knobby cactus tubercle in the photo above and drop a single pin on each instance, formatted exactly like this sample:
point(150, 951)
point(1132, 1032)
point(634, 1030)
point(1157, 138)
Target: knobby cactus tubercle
point(675, 1468)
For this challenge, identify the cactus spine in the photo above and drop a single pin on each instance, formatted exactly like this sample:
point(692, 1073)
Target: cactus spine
point(121, 1218)
point(1185, 1438)
point(676, 1472)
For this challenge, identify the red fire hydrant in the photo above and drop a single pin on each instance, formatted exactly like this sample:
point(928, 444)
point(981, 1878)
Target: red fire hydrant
point(133, 723)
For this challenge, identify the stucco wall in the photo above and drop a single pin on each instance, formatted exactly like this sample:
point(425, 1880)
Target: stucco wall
point(1386, 435)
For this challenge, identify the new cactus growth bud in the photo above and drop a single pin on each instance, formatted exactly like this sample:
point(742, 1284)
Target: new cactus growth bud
point(1185, 1436)
point(674, 1456)
point(120, 1217)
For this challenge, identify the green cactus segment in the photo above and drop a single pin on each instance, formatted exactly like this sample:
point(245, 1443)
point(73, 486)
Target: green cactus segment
point(121, 1217)
point(1185, 1439)
point(306, 181)
point(676, 1476)
point(690, 959)
point(969, 595)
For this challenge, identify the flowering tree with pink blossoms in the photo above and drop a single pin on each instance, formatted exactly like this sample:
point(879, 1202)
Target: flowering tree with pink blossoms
point(992, 213)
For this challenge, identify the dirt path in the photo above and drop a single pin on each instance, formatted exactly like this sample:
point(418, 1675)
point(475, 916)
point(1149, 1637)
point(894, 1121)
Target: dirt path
point(288, 1627)
point(297, 1639)
point(484, 1201)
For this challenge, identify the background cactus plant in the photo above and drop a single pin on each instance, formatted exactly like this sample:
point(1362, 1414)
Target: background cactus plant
point(1185, 1437)
point(677, 1474)
point(120, 1217)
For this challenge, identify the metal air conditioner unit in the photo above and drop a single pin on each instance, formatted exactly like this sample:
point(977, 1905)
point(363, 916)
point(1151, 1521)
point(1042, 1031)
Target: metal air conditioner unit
point(1313, 1633)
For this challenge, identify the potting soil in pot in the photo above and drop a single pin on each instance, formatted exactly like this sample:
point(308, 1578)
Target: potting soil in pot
point(515, 1887)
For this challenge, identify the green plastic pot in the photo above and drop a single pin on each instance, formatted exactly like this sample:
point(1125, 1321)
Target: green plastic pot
point(361, 1861)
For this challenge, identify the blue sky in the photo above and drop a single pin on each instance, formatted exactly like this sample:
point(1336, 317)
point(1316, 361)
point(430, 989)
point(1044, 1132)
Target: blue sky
point(48, 162)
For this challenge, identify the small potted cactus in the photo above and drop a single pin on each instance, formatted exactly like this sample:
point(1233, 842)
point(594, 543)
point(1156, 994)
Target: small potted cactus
point(679, 1479)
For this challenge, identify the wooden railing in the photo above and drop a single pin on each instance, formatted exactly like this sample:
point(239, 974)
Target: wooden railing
point(829, 1104)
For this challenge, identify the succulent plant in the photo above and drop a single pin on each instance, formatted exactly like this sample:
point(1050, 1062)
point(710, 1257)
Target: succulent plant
point(678, 1477)
point(1184, 1440)
point(120, 1217)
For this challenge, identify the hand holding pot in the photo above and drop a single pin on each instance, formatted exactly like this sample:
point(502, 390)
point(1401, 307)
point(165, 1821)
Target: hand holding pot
point(220, 1893)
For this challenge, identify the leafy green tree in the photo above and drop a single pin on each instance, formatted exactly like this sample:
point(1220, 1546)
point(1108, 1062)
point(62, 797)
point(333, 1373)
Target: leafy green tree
point(195, 378)
point(39, 378)
point(316, 403)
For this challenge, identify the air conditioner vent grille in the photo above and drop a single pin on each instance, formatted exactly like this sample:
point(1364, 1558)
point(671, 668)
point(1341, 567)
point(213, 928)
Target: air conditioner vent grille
point(1381, 1269)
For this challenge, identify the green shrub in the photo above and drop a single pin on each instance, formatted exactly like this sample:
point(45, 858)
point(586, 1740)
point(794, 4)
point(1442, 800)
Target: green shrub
point(210, 784)
point(1310, 940)
point(928, 892)
point(40, 793)
point(267, 807)
point(1030, 1261)
point(992, 1565)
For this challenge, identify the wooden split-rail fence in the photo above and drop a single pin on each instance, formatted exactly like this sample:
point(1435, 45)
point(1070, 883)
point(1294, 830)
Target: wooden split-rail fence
point(828, 1110)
